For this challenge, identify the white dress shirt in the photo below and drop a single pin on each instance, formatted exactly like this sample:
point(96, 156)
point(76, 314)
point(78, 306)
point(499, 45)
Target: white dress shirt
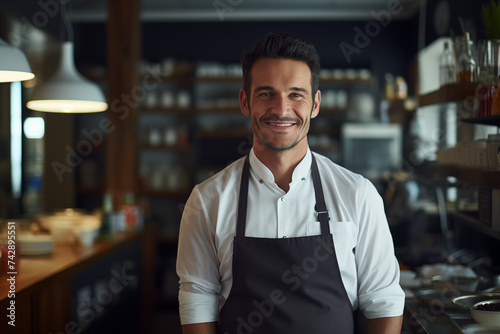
point(361, 236)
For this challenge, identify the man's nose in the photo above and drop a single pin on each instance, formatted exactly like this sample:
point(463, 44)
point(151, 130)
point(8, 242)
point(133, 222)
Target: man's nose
point(281, 104)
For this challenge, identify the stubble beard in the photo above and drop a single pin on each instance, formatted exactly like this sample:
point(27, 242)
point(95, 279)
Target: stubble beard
point(258, 132)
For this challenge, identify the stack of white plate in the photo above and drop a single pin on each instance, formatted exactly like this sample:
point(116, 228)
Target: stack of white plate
point(34, 245)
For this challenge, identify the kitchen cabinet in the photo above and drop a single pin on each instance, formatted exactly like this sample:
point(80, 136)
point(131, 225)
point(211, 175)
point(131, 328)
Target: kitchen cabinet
point(101, 289)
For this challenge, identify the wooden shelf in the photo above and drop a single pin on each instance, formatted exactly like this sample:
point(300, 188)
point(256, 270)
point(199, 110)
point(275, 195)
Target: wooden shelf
point(489, 120)
point(165, 110)
point(217, 110)
point(162, 147)
point(157, 79)
point(472, 222)
point(183, 74)
point(221, 79)
point(353, 81)
point(448, 93)
point(481, 177)
point(236, 133)
point(330, 110)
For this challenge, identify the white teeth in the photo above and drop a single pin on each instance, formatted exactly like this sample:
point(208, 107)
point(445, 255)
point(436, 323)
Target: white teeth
point(281, 124)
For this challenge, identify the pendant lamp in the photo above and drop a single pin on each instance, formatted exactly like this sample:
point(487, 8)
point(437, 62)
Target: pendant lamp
point(13, 64)
point(67, 90)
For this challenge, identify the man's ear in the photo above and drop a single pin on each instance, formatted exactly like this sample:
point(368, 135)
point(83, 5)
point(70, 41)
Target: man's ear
point(244, 103)
point(317, 102)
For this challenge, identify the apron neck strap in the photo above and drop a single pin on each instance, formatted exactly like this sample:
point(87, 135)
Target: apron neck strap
point(243, 199)
point(320, 207)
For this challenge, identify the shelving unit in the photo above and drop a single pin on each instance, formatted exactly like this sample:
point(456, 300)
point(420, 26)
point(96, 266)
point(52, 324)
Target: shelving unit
point(453, 93)
point(449, 93)
point(488, 120)
point(473, 222)
point(481, 177)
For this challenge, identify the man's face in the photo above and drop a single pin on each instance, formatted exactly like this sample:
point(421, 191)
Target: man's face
point(280, 103)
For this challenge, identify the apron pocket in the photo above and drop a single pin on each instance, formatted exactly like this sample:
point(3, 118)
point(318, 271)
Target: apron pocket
point(344, 238)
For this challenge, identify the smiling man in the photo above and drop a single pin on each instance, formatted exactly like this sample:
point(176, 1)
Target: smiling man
point(284, 240)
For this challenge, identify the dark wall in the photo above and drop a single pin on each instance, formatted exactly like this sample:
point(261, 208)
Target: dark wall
point(390, 50)
point(439, 21)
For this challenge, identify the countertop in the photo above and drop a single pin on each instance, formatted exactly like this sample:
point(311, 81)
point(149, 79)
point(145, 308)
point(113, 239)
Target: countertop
point(35, 269)
point(438, 316)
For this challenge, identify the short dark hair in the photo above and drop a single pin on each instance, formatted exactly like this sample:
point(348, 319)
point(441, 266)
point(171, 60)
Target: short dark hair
point(281, 45)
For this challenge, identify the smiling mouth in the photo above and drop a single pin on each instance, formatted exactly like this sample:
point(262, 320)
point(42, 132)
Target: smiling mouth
point(280, 124)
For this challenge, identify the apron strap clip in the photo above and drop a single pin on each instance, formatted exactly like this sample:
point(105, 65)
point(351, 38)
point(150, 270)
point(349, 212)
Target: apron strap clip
point(319, 213)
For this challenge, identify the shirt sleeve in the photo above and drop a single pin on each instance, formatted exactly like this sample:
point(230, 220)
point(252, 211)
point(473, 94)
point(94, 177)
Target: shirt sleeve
point(197, 264)
point(379, 292)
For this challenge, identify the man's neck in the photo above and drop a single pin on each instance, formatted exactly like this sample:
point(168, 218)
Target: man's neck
point(282, 163)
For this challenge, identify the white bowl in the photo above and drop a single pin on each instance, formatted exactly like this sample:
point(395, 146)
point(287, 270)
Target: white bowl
point(86, 237)
point(490, 319)
point(67, 226)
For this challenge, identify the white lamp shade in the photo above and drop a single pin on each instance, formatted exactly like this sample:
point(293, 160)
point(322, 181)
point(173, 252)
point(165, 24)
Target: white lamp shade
point(13, 64)
point(67, 90)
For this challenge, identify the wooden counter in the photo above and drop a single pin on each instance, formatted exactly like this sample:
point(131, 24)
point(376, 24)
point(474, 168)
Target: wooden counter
point(46, 287)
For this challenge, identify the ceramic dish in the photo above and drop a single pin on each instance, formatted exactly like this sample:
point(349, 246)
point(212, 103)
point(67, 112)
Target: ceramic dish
point(487, 313)
point(468, 301)
point(35, 245)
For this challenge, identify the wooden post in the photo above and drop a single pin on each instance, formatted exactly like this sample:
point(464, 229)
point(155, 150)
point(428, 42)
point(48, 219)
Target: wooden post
point(123, 58)
point(125, 94)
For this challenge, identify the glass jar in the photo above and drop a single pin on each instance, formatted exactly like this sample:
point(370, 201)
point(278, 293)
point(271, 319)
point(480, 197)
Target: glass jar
point(466, 61)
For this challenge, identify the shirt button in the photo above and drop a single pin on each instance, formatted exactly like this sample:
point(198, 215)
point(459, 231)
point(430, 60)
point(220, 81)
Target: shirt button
point(283, 199)
point(261, 181)
point(303, 179)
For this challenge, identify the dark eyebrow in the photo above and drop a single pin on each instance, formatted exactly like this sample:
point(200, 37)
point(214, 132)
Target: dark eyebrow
point(299, 89)
point(261, 88)
point(296, 89)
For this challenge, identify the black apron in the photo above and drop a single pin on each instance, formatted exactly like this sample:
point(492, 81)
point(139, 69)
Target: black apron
point(285, 285)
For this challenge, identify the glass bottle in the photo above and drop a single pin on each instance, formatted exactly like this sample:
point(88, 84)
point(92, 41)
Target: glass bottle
point(495, 105)
point(466, 62)
point(389, 87)
point(130, 211)
point(447, 66)
point(400, 88)
point(106, 231)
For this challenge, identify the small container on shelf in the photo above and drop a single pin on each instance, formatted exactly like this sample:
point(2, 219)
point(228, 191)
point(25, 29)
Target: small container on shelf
point(466, 61)
point(447, 66)
point(167, 99)
point(495, 104)
point(170, 136)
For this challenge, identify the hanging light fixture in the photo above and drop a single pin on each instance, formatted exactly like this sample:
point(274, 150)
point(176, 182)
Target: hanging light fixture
point(13, 64)
point(67, 91)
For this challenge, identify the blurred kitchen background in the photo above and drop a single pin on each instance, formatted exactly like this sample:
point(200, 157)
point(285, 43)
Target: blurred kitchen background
point(407, 100)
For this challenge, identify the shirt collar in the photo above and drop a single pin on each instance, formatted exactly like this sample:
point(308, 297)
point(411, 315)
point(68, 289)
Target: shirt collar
point(262, 172)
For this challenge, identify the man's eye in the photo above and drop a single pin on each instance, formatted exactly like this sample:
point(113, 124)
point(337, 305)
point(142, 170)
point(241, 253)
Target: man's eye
point(265, 94)
point(296, 95)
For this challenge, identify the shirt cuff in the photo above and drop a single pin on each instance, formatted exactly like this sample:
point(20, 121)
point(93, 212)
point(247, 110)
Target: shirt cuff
point(387, 302)
point(197, 308)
